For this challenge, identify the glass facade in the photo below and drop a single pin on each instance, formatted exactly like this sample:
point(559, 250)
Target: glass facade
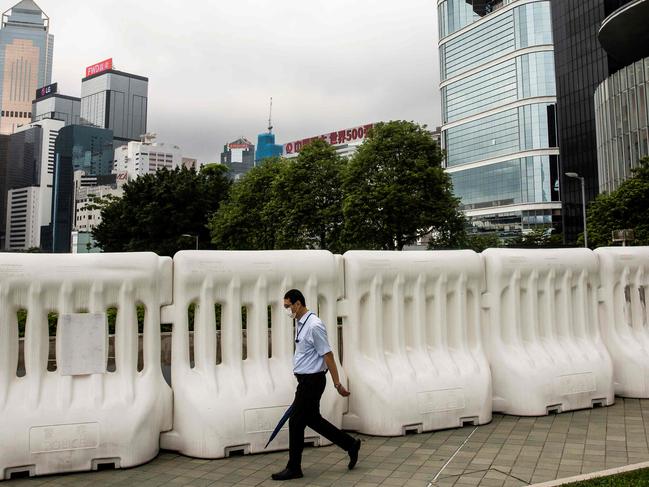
point(116, 101)
point(87, 149)
point(622, 121)
point(58, 107)
point(499, 112)
point(515, 130)
point(519, 181)
point(26, 52)
point(526, 76)
point(581, 65)
point(266, 147)
point(78, 148)
point(505, 32)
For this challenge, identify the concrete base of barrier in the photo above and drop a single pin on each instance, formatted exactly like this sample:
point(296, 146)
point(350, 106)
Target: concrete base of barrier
point(82, 437)
point(551, 389)
point(434, 407)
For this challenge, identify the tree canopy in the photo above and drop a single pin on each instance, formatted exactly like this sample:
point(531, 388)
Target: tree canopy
point(285, 204)
point(392, 192)
point(157, 209)
point(247, 221)
point(308, 197)
point(625, 208)
point(396, 191)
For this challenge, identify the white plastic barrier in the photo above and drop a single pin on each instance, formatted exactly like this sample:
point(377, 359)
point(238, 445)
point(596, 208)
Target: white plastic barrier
point(541, 336)
point(624, 320)
point(412, 346)
point(81, 416)
point(234, 406)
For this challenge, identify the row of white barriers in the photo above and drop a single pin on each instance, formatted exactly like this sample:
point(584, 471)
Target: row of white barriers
point(431, 340)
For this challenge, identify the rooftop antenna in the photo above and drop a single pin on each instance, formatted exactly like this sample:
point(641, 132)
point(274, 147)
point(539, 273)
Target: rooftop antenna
point(270, 116)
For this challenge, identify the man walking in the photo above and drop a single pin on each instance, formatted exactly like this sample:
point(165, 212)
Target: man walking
point(313, 357)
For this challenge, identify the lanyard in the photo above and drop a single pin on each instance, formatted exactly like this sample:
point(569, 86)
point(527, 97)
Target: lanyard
point(297, 338)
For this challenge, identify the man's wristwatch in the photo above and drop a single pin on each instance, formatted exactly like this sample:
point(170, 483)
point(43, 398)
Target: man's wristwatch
point(337, 386)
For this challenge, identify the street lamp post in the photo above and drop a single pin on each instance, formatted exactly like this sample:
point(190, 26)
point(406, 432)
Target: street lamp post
point(574, 175)
point(189, 235)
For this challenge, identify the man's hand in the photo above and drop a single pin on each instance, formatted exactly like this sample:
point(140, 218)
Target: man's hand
point(342, 391)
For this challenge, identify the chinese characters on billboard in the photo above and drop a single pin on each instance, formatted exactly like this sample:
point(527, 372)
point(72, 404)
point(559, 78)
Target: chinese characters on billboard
point(106, 65)
point(334, 138)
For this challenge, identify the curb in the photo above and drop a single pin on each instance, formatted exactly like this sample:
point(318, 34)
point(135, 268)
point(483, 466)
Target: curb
point(593, 475)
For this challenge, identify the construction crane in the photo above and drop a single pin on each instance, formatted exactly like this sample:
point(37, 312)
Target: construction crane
point(270, 116)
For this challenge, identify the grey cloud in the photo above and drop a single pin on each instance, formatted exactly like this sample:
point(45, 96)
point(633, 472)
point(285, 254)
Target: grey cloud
point(213, 64)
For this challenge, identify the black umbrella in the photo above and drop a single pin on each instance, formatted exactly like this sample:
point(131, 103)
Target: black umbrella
point(280, 424)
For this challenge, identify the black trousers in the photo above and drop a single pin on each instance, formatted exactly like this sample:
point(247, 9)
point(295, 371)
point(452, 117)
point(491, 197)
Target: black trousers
point(306, 412)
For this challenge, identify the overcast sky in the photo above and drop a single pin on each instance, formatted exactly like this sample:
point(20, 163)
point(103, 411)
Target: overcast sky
point(214, 64)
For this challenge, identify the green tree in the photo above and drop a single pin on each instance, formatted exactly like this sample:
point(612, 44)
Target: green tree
point(625, 208)
point(307, 196)
point(157, 209)
point(539, 238)
point(247, 221)
point(396, 191)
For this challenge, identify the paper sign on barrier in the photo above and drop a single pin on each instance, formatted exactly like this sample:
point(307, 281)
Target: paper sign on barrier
point(78, 416)
point(84, 341)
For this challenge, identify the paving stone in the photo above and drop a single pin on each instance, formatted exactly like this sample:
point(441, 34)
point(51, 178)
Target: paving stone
point(508, 452)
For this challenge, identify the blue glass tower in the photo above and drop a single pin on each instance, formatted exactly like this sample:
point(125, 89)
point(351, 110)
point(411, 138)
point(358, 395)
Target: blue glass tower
point(499, 112)
point(266, 147)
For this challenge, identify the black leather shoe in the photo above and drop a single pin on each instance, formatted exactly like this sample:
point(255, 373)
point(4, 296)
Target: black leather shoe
point(353, 454)
point(287, 474)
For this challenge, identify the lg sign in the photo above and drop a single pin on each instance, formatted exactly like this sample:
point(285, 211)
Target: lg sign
point(46, 90)
point(99, 67)
point(333, 138)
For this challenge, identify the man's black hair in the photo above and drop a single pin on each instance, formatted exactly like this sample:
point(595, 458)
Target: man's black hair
point(294, 296)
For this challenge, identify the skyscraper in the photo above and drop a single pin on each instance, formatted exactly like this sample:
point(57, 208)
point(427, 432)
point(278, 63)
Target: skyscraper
point(51, 104)
point(77, 148)
point(581, 65)
point(115, 100)
point(26, 50)
point(146, 157)
point(31, 166)
point(239, 157)
point(498, 112)
point(622, 100)
point(266, 147)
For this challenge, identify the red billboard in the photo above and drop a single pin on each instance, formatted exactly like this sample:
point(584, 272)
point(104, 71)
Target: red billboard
point(106, 65)
point(334, 138)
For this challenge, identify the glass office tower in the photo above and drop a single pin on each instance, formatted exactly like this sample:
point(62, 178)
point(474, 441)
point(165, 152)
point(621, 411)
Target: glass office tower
point(581, 65)
point(622, 100)
point(117, 101)
point(26, 50)
point(78, 148)
point(499, 112)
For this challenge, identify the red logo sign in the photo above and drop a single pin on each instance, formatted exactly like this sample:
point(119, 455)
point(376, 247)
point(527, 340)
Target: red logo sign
point(333, 138)
point(99, 67)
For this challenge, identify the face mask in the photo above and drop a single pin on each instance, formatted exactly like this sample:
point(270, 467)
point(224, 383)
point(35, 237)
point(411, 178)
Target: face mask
point(289, 313)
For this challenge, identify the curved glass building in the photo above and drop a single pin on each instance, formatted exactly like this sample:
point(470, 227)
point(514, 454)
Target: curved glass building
point(622, 100)
point(499, 112)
